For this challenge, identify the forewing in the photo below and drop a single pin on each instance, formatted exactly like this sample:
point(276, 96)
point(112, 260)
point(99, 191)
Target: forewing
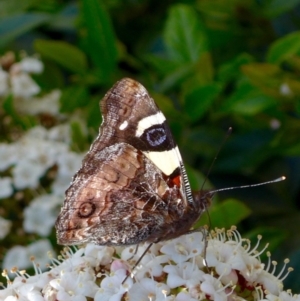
point(130, 115)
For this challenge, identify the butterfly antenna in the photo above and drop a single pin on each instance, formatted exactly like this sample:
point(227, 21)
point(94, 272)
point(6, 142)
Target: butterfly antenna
point(229, 131)
point(248, 186)
point(206, 234)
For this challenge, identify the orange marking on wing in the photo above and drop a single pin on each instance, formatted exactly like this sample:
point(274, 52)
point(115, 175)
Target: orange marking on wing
point(177, 181)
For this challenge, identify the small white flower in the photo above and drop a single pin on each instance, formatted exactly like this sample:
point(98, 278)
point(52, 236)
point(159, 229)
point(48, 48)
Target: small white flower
point(37, 152)
point(19, 256)
point(270, 282)
point(283, 296)
point(49, 293)
point(4, 87)
point(151, 261)
point(41, 214)
point(275, 124)
point(148, 289)
point(75, 284)
point(23, 85)
point(225, 259)
point(213, 288)
point(5, 226)
point(180, 275)
point(35, 147)
point(60, 133)
point(7, 155)
point(6, 189)
point(111, 287)
point(60, 185)
point(24, 287)
point(26, 174)
point(285, 90)
point(11, 298)
point(181, 250)
point(16, 256)
point(31, 65)
point(99, 254)
point(183, 296)
point(37, 132)
point(38, 249)
point(69, 163)
point(48, 104)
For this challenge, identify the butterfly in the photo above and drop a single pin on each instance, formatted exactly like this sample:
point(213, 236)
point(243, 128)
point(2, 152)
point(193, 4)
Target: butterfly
point(132, 186)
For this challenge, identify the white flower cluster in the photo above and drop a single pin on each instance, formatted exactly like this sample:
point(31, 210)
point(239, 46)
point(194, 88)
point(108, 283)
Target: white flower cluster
point(16, 80)
point(37, 153)
point(32, 155)
point(5, 226)
point(28, 159)
point(20, 256)
point(172, 270)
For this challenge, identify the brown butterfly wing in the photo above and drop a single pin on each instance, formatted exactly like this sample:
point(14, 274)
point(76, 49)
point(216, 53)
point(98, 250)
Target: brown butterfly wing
point(122, 194)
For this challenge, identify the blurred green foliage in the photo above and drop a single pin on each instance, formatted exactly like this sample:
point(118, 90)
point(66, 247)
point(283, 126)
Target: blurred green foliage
point(210, 65)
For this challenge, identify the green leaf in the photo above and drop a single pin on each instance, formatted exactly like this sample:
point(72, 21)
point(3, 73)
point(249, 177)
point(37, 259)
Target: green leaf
point(226, 214)
point(184, 34)
point(198, 101)
point(79, 141)
point(245, 152)
point(160, 64)
point(267, 77)
point(247, 100)
point(284, 48)
point(101, 41)
point(52, 77)
point(24, 121)
point(273, 8)
point(65, 19)
point(253, 104)
point(230, 70)
point(73, 97)
point(16, 25)
point(166, 105)
point(62, 53)
point(176, 77)
point(94, 117)
point(12, 7)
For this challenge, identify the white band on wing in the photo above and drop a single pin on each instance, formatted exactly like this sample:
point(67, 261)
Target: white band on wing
point(148, 121)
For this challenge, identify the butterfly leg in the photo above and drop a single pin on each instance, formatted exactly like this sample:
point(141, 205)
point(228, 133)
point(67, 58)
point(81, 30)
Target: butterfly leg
point(134, 253)
point(139, 260)
point(205, 232)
